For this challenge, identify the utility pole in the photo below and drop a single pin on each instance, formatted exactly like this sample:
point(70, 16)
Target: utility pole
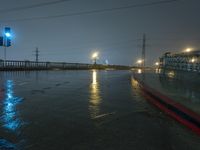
point(4, 45)
point(4, 53)
point(37, 54)
point(143, 51)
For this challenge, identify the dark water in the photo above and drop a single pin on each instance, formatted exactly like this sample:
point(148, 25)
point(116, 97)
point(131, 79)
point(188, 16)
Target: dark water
point(59, 110)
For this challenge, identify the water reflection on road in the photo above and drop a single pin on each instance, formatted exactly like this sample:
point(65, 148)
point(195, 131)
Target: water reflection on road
point(9, 118)
point(81, 110)
point(95, 98)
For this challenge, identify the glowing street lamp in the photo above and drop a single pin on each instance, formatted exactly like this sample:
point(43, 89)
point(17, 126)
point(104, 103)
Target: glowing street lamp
point(95, 56)
point(193, 60)
point(188, 50)
point(139, 61)
point(157, 63)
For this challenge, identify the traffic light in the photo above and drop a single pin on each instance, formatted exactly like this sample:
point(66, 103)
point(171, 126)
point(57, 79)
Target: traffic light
point(1, 41)
point(7, 36)
point(8, 42)
point(7, 32)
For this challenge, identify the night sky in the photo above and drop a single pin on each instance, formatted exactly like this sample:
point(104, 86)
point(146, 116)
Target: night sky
point(116, 34)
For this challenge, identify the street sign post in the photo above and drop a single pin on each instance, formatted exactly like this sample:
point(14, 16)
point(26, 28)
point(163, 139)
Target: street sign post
point(1, 40)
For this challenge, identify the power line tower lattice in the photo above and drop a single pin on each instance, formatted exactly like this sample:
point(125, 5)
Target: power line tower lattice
point(37, 54)
point(143, 51)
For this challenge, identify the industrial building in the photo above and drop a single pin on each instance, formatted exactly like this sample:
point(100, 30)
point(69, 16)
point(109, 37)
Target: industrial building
point(188, 61)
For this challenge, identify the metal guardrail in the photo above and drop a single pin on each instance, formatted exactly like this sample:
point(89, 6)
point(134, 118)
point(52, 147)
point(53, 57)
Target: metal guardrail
point(32, 65)
point(10, 65)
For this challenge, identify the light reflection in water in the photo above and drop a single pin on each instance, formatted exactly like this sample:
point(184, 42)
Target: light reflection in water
point(158, 71)
point(95, 98)
point(94, 77)
point(135, 86)
point(134, 83)
point(139, 71)
point(10, 116)
point(171, 74)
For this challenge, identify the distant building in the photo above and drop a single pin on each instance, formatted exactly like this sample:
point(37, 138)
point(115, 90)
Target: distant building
point(188, 61)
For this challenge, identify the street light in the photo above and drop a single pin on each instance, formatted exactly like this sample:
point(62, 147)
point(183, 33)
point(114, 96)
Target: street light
point(157, 63)
point(95, 56)
point(188, 50)
point(192, 60)
point(139, 61)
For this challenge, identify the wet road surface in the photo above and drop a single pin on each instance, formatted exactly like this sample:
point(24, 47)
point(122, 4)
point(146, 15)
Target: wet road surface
point(83, 110)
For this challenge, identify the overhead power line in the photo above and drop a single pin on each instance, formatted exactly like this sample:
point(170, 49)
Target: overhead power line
point(32, 6)
point(94, 11)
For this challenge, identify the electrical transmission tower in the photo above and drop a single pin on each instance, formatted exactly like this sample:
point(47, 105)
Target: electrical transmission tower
point(36, 54)
point(143, 51)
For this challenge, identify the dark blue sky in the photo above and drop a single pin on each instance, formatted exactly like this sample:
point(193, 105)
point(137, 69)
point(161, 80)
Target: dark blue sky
point(117, 34)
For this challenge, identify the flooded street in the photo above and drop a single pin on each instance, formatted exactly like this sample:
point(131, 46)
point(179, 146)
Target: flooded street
point(84, 110)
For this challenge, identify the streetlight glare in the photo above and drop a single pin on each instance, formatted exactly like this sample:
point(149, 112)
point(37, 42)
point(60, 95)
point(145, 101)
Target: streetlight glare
point(95, 55)
point(157, 63)
point(139, 61)
point(193, 60)
point(188, 50)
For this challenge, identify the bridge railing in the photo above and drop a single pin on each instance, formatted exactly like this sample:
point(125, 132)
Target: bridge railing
point(33, 65)
point(14, 64)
